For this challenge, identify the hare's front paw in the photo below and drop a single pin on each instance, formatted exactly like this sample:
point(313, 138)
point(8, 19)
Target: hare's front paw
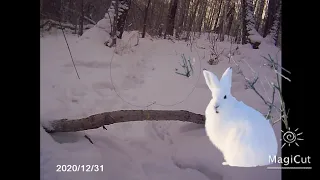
point(225, 163)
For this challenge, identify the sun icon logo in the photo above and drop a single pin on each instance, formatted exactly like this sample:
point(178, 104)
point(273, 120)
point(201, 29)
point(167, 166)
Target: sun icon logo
point(291, 137)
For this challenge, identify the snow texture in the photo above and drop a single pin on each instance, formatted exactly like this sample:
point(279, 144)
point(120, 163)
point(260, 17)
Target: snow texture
point(146, 150)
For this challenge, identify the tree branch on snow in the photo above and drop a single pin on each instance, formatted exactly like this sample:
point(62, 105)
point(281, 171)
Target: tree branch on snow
point(107, 118)
point(276, 87)
point(51, 23)
point(232, 52)
point(214, 52)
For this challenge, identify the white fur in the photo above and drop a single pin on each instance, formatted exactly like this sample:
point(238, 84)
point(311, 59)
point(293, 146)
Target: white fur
point(241, 133)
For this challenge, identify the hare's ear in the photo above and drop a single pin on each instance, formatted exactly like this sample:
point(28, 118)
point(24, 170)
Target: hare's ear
point(226, 79)
point(211, 80)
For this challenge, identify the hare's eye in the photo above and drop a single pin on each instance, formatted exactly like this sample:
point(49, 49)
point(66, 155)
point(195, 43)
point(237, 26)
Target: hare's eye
point(225, 97)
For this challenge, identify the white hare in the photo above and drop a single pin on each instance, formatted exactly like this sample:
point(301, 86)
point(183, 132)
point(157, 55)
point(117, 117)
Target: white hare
point(241, 133)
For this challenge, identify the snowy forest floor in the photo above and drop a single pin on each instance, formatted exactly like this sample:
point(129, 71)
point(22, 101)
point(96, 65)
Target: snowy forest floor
point(141, 75)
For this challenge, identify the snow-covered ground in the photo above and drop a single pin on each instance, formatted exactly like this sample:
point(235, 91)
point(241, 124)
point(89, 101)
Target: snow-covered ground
point(141, 75)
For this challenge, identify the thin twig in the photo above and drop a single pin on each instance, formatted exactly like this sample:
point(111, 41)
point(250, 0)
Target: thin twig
point(69, 50)
point(282, 75)
point(272, 101)
point(276, 64)
point(265, 91)
point(275, 87)
point(214, 51)
point(87, 137)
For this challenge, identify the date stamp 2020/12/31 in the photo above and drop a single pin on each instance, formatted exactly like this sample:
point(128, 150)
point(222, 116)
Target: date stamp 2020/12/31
point(79, 168)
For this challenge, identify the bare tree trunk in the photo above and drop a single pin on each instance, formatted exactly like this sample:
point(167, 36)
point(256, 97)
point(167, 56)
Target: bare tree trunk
point(278, 42)
point(211, 17)
point(107, 118)
point(202, 15)
point(145, 19)
point(271, 12)
point(230, 17)
point(236, 30)
point(184, 4)
point(238, 34)
point(207, 16)
point(71, 5)
point(216, 22)
point(223, 23)
point(123, 9)
point(259, 14)
point(274, 30)
point(244, 33)
point(171, 18)
point(159, 21)
point(115, 5)
point(116, 16)
point(191, 20)
point(81, 19)
point(62, 11)
point(76, 26)
point(249, 34)
point(186, 15)
point(134, 12)
point(151, 19)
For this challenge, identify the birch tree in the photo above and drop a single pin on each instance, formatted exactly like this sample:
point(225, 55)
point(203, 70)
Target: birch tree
point(272, 36)
point(260, 7)
point(249, 33)
point(171, 18)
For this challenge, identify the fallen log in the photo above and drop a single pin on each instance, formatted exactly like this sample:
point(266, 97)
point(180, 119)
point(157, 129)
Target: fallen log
point(107, 118)
point(60, 25)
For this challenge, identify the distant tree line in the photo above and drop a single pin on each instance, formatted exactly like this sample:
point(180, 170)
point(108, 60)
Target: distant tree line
point(243, 20)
